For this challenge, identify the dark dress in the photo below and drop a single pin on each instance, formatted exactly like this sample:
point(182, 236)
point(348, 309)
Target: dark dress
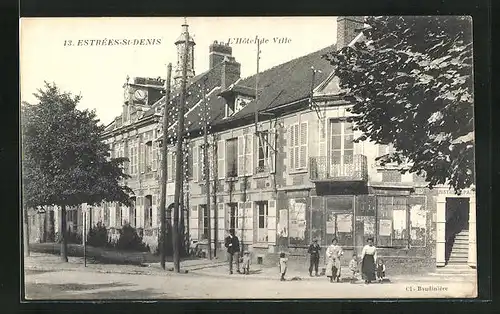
point(368, 267)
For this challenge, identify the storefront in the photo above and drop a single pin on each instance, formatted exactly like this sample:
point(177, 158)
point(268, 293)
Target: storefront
point(394, 221)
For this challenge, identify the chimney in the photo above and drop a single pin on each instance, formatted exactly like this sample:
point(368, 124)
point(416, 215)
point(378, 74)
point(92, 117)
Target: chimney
point(217, 52)
point(231, 71)
point(224, 64)
point(348, 27)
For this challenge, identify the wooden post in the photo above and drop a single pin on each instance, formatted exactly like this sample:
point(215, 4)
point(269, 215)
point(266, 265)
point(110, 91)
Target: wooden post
point(164, 153)
point(26, 242)
point(84, 238)
point(179, 160)
point(64, 235)
point(207, 170)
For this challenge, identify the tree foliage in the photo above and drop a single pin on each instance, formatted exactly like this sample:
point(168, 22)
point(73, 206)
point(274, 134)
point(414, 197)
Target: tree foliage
point(410, 82)
point(64, 161)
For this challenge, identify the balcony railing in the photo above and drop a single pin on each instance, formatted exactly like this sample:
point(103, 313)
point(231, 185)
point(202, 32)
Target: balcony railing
point(341, 168)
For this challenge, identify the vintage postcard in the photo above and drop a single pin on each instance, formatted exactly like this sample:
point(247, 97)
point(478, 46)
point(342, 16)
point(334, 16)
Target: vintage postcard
point(248, 157)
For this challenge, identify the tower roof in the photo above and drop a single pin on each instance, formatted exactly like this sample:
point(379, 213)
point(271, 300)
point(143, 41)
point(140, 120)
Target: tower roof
point(182, 36)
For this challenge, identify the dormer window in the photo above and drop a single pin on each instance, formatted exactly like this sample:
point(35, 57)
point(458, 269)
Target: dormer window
point(239, 103)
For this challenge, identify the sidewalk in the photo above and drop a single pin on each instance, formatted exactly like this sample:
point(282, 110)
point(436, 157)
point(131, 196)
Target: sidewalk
point(49, 262)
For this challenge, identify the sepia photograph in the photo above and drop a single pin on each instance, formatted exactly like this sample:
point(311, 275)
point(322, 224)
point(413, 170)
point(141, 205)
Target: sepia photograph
point(326, 157)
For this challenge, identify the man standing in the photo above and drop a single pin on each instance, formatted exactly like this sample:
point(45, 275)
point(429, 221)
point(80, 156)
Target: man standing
point(314, 250)
point(232, 244)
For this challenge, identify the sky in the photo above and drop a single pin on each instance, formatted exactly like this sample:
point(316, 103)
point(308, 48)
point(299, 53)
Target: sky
point(98, 72)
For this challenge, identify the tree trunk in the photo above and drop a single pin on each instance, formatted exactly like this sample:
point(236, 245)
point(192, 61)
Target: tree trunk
point(26, 242)
point(64, 235)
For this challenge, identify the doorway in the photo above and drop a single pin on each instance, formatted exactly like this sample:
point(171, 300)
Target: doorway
point(456, 228)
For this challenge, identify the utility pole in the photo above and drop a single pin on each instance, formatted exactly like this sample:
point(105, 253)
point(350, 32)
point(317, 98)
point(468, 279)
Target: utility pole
point(216, 178)
point(206, 168)
point(179, 160)
point(164, 168)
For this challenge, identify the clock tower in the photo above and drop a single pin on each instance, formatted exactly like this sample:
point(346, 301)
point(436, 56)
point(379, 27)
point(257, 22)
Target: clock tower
point(139, 96)
point(180, 44)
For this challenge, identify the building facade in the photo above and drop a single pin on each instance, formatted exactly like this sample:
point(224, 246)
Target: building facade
point(284, 167)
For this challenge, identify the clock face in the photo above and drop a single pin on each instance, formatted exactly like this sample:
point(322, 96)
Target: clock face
point(140, 94)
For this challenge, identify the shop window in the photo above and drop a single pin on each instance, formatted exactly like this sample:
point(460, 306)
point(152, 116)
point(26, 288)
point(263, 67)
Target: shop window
point(392, 221)
point(297, 223)
point(364, 226)
point(339, 220)
point(318, 227)
point(418, 221)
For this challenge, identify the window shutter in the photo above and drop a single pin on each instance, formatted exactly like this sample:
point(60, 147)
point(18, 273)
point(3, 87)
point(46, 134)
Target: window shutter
point(142, 159)
point(221, 156)
point(195, 164)
point(221, 226)
point(271, 222)
point(154, 156)
point(248, 226)
point(303, 145)
point(291, 147)
point(112, 215)
point(201, 224)
point(241, 214)
point(322, 138)
point(169, 167)
point(249, 154)
point(211, 167)
point(174, 166)
point(212, 224)
point(272, 150)
point(154, 211)
point(201, 161)
point(131, 157)
point(241, 156)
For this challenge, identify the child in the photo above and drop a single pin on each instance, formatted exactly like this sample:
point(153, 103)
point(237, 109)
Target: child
point(246, 263)
point(283, 267)
point(380, 270)
point(353, 266)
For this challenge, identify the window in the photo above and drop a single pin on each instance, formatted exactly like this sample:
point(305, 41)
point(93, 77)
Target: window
point(133, 213)
point(105, 206)
point(148, 212)
point(204, 221)
point(341, 148)
point(148, 156)
point(392, 220)
point(133, 157)
point(233, 215)
point(171, 166)
point(297, 224)
point(262, 210)
point(118, 217)
point(232, 157)
point(263, 152)
point(298, 146)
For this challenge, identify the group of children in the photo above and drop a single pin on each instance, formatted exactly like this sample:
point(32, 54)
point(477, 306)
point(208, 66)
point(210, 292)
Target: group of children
point(353, 266)
point(379, 269)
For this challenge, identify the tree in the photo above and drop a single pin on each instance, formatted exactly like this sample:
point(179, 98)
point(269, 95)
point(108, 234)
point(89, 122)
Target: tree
point(410, 82)
point(65, 162)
